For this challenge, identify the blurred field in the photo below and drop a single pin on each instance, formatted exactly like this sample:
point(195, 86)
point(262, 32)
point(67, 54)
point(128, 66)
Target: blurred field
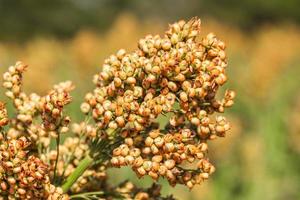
point(260, 158)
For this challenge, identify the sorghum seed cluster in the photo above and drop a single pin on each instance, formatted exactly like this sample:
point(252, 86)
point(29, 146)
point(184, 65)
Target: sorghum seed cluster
point(52, 108)
point(161, 154)
point(26, 105)
point(22, 176)
point(172, 74)
point(176, 77)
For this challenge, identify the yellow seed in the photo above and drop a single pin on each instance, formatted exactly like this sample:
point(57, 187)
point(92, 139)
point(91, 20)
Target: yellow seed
point(147, 165)
point(11, 180)
point(170, 164)
point(149, 141)
point(166, 44)
point(129, 160)
point(204, 175)
point(183, 96)
point(162, 170)
point(141, 171)
point(154, 149)
point(153, 175)
point(138, 162)
point(195, 121)
point(146, 150)
point(154, 134)
point(190, 184)
point(157, 158)
point(21, 191)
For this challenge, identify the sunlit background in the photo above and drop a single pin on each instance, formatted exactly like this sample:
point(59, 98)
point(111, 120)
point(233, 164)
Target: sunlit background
point(260, 157)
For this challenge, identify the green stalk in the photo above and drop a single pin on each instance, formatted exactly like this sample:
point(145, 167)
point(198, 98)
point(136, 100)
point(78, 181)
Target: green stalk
point(80, 169)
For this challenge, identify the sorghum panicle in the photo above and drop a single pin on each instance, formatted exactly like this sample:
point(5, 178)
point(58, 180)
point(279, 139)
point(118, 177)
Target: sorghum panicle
point(174, 74)
point(22, 176)
point(177, 75)
point(52, 108)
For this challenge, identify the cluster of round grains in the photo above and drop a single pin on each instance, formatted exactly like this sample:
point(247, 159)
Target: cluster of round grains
point(164, 154)
point(175, 74)
point(13, 81)
point(52, 108)
point(127, 190)
point(135, 88)
point(27, 106)
point(56, 193)
point(3, 115)
point(173, 78)
point(22, 176)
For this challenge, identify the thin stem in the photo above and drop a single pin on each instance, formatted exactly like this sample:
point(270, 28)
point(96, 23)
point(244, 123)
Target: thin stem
point(57, 155)
point(80, 169)
point(85, 195)
point(189, 170)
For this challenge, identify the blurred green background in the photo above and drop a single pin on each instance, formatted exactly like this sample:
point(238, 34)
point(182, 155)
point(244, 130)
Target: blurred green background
point(260, 157)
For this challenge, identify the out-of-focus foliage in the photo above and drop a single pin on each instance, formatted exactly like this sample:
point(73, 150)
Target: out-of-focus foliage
point(22, 19)
point(259, 158)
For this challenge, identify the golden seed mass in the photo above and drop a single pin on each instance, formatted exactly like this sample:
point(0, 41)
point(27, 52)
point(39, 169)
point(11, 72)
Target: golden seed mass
point(175, 77)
